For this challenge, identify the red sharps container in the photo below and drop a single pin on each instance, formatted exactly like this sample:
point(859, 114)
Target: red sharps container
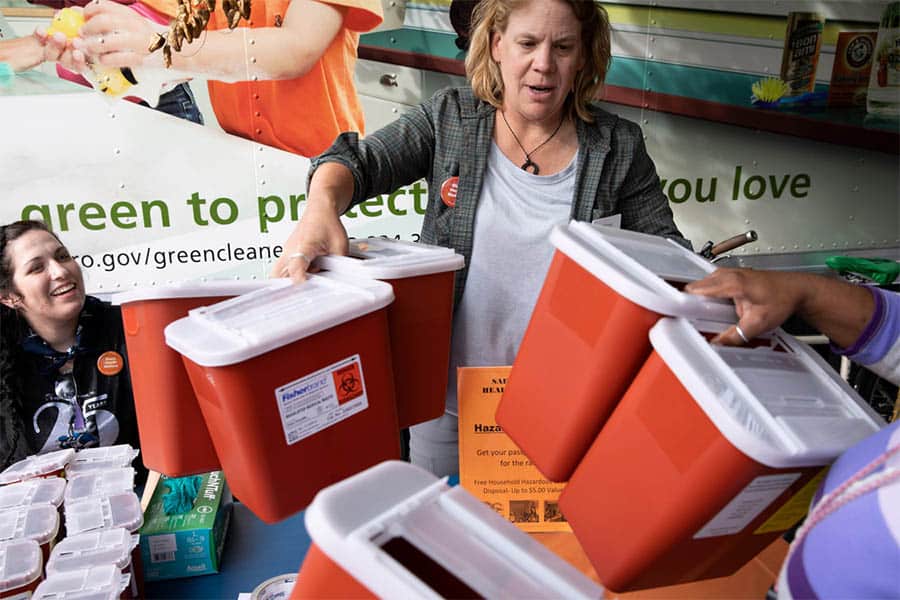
point(295, 385)
point(712, 453)
point(587, 337)
point(174, 439)
point(419, 318)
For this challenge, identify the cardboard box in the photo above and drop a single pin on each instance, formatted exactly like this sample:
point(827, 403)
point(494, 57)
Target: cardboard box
point(852, 63)
point(187, 544)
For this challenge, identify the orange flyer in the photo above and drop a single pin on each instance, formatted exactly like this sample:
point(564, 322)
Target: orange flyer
point(491, 466)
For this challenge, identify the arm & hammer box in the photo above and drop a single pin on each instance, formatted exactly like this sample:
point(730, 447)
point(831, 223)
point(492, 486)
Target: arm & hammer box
point(187, 544)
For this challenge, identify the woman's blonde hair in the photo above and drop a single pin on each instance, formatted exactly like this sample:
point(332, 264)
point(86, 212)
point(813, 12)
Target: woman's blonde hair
point(492, 16)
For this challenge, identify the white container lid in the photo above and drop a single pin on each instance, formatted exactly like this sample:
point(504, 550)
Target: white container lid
point(36, 465)
point(20, 564)
point(380, 258)
point(33, 491)
point(104, 512)
point(191, 289)
point(93, 548)
point(101, 459)
point(250, 325)
point(100, 483)
point(38, 522)
point(780, 404)
point(94, 583)
point(639, 267)
point(359, 521)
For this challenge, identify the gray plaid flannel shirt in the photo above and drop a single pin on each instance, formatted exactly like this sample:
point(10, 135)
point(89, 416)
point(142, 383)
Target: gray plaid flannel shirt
point(450, 135)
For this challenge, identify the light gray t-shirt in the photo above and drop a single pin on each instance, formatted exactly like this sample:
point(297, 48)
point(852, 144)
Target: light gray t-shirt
point(510, 257)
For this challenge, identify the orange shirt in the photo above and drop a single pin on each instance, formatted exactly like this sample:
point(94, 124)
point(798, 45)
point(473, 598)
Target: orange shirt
point(302, 115)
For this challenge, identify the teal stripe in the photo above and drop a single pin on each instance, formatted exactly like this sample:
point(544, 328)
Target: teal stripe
point(415, 40)
point(701, 83)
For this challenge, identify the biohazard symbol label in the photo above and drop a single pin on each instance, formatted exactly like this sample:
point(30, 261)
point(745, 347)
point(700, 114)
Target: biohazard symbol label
point(348, 382)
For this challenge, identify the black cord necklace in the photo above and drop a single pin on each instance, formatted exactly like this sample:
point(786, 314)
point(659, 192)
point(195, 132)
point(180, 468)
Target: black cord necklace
point(530, 164)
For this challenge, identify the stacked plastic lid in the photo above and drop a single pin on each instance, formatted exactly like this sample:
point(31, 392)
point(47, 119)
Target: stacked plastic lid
point(255, 323)
point(104, 512)
point(379, 258)
point(93, 548)
point(780, 403)
point(33, 491)
point(104, 582)
point(20, 568)
point(51, 464)
point(100, 459)
point(38, 522)
point(99, 483)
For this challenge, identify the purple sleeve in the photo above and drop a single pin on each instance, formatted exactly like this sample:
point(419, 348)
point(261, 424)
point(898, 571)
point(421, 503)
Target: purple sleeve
point(881, 333)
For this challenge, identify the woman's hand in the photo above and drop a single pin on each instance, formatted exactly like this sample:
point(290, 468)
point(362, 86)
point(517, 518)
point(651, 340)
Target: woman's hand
point(319, 231)
point(763, 300)
point(116, 35)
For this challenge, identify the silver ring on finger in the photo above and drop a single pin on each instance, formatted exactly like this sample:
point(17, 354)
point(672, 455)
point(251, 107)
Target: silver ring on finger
point(300, 255)
point(741, 334)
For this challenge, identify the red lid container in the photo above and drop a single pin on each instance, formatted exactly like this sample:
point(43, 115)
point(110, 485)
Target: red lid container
point(419, 318)
point(295, 386)
point(712, 453)
point(174, 439)
point(587, 337)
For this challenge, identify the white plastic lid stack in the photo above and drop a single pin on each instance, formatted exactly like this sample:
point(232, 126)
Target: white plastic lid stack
point(255, 323)
point(380, 258)
point(640, 267)
point(101, 459)
point(100, 483)
point(20, 564)
point(104, 582)
point(104, 512)
point(93, 548)
point(38, 522)
point(33, 491)
point(37, 465)
point(372, 523)
point(193, 289)
point(780, 404)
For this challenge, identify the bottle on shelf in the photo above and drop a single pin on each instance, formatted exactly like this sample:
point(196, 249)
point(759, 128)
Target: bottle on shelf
point(884, 80)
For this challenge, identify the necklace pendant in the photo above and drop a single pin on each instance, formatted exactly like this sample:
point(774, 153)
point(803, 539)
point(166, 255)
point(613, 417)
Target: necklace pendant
point(531, 165)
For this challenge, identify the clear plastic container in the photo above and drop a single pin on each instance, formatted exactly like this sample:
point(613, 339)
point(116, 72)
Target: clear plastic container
point(100, 483)
point(38, 522)
point(713, 453)
point(883, 97)
point(174, 439)
point(33, 491)
point(101, 459)
point(587, 337)
point(95, 548)
point(295, 386)
point(397, 531)
point(52, 464)
point(20, 568)
point(104, 512)
point(422, 278)
point(104, 582)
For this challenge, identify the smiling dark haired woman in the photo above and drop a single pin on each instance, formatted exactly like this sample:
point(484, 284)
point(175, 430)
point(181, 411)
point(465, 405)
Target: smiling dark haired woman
point(64, 351)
